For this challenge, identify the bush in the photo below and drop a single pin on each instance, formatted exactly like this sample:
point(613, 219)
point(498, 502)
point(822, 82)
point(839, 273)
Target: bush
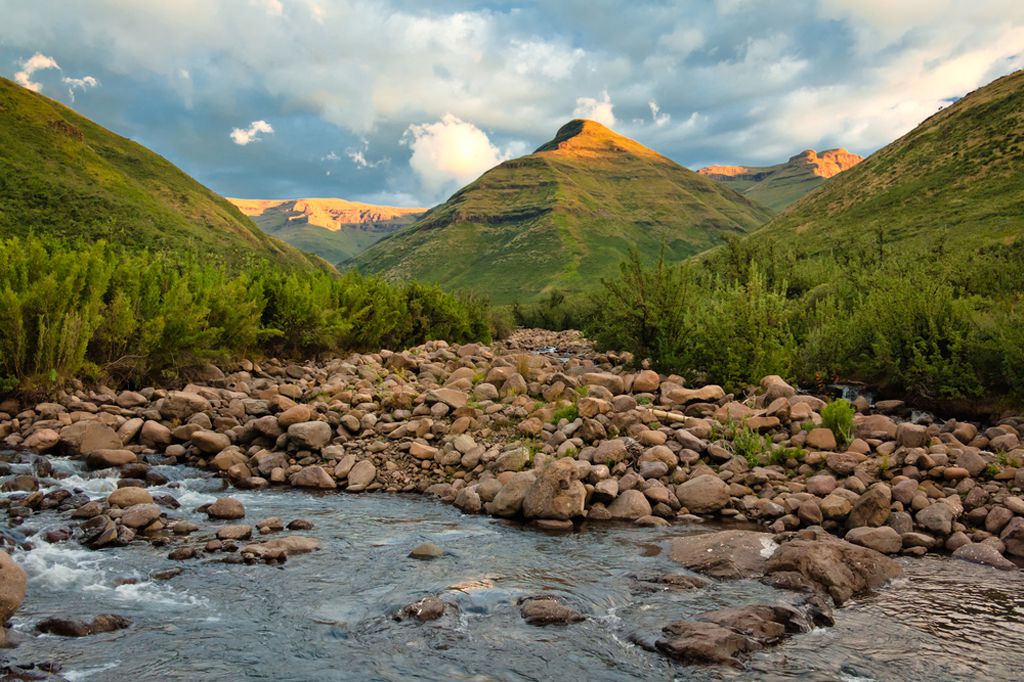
point(93, 310)
point(838, 417)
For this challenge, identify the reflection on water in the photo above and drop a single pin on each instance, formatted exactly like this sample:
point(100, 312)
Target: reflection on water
point(327, 616)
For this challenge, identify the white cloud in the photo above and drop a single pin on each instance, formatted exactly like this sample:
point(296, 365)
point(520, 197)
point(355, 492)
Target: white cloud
point(660, 118)
point(251, 134)
point(599, 110)
point(274, 7)
point(78, 84)
point(450, 152)
point(36, 62)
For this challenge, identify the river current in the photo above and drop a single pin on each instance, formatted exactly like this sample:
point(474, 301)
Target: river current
point(328, 615)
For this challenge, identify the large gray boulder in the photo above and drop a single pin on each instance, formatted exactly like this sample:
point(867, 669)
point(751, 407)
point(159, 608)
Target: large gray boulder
point(556, 494)
point(703, 494)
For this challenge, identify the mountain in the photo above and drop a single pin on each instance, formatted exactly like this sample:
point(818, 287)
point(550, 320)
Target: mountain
point(334, 229)
point(62, 175)
point(780, 185)
point(956, 181)
point(562, 218)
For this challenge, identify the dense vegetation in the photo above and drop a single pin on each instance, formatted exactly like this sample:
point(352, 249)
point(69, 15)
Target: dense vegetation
point(562, 218)
point(95, 311)
point(909, 323)
point(66, 177)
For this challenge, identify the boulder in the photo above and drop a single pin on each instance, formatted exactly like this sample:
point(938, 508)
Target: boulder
point(646, 381)
point(313, 477)
point(84, 437)
point(703, 494)
point(698, 642)
point(882, 539)
point(610, 452)
point(836, 567)
point(181, 405)
point(936, 517)
point(210, 442)
point(68, 627)
point(361, 476)
point(544, 610)
point(821, 439)
point(775, 387)
point(629, 506)
point(427, 550)
point(140, 515)
point(912, 435)
point(872, 508)
point(155, 435)
point(227, 508)
point(310, 435)
point(13, 584)
point(556, 493)
point(237, 531)
point(429, 608)
point(103, 459)
point(986, 554)
point(292, 544)
point(509, 500)
point(129, 496)
point(296, 414)
point(725, 554)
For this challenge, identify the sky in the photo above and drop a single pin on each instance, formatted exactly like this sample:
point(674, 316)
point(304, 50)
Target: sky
point(402, 102)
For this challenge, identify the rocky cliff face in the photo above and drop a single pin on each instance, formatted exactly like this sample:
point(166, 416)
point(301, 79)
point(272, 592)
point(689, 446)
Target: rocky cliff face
point(330, 214)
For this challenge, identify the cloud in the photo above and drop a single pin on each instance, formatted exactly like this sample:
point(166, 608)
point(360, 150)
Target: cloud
point(251, 134)
point(274, 8)
point(599, 110)
point(78, 84)
point(36, 62)
point(657, 116)
point(450, 152)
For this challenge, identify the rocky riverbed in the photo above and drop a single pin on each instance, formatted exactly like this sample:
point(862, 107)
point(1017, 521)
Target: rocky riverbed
point(538, 430)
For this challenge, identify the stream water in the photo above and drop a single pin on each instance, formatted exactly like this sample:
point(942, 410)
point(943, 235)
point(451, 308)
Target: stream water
point(328, 615)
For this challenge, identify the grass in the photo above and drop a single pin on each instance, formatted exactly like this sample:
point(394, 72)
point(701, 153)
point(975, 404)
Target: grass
point(562, 220)
point(63, 176)
point(568, 412)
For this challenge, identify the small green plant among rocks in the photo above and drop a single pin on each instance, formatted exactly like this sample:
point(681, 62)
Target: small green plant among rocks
point(749, 444)
point(838, 416)
point(568, 412)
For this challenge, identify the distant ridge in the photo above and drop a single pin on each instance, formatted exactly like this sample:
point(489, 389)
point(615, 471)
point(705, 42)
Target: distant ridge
point(335, 229)
point(562, 218)
point(780, 185)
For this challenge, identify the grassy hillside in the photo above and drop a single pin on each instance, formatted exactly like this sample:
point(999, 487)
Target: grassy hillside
point(562, 218)
point(63, 176)
point(778, 186)
point(956, 180)
point(334, 229)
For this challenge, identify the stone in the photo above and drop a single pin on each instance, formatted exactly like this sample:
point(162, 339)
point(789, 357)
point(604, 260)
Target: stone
point(545, 610)
point(422, 450)
point(936, 517)
point(821, 439)
point(210, 442)
point(227, 508)
point(682, 396)
point(468, 500)
point(312, 435)
point(610, 452)
point(872, 508)
point(313, 477)
point(296, 414)
point(556, 493)
point(129, 496)
point(725, 554)
point(971, 459)
point(776, 387)
point(238, 531)
point(155, 435)
point(426, 550)
point(362, 475)
point(68, 627)
point(104, 458)
point(84, 437)
point(1013, 536)
point(646, 381)
point(697, 642)
point(765, 624)
point(821, 484)
point(181, 405)
point(509, 500)
point(984, 553)
point(42, 440)
point(429, 608)
point(912, 435)
point(292, 544)
point(140, 515)
point(703, 494)
point(882, 539)
point(629, 506)
point(839, 568)
point(874, 426)
point(13, 585)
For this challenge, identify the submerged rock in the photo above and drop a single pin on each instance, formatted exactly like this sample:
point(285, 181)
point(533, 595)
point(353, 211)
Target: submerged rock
point(546, 610)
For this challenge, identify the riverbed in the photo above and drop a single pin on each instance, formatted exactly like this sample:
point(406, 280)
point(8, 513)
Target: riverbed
point(328, 615)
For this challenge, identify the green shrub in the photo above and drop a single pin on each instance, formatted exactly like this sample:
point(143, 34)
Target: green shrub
point(838, 417)
point(749, 445)
point(569, 412)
